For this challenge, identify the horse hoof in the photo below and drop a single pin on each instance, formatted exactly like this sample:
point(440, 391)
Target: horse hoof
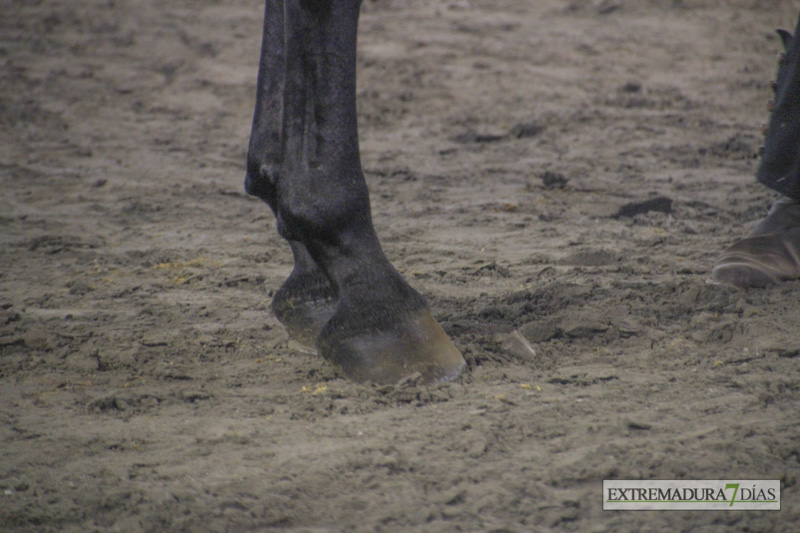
point(391, 350)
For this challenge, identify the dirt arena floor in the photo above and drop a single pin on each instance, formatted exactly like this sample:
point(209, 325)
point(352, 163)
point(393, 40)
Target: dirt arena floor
point(559, 174)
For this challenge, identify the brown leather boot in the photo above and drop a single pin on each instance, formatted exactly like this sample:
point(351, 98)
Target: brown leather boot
point(770, 253)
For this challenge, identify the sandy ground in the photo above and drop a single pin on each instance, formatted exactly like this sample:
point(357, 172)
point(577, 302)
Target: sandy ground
point(145, 386)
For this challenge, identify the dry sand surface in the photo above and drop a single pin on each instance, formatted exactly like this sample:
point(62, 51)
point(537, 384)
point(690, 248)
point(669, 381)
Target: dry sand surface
point(145, 385)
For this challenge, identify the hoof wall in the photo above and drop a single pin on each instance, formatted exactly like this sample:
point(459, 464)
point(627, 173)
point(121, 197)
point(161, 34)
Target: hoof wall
point(414, 343)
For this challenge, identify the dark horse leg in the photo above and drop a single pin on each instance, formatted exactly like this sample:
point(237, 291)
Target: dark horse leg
point(304, 162)
point(771, 252)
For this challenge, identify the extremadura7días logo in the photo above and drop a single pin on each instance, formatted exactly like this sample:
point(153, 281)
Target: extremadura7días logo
point(687, 495)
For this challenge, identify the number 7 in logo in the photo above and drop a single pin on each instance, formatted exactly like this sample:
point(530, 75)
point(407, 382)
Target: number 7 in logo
point(735, 487)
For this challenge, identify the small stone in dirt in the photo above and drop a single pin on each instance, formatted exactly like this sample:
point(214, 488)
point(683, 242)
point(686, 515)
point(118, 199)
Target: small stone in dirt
point(78, 287)
point(11, 341)
point(627, 326)
point(638, 425)
point(518, 346)
point(99, 183)
point(83, 362)
point(193, 396)
point(385, 389)
point(502, 271)
point(206, 340)
point(7, 317)
point(540, 331)
point(471, 136)
point(526, 129)
point(583, 325)
point(631, 87)
point(154, 340)
point(553, 180)
point(604, 7)
point(661, 204)
point(789, 353)
point(107, 404)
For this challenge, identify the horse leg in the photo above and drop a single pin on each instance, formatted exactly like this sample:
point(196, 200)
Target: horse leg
point(304, 162)
point(305, 301)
